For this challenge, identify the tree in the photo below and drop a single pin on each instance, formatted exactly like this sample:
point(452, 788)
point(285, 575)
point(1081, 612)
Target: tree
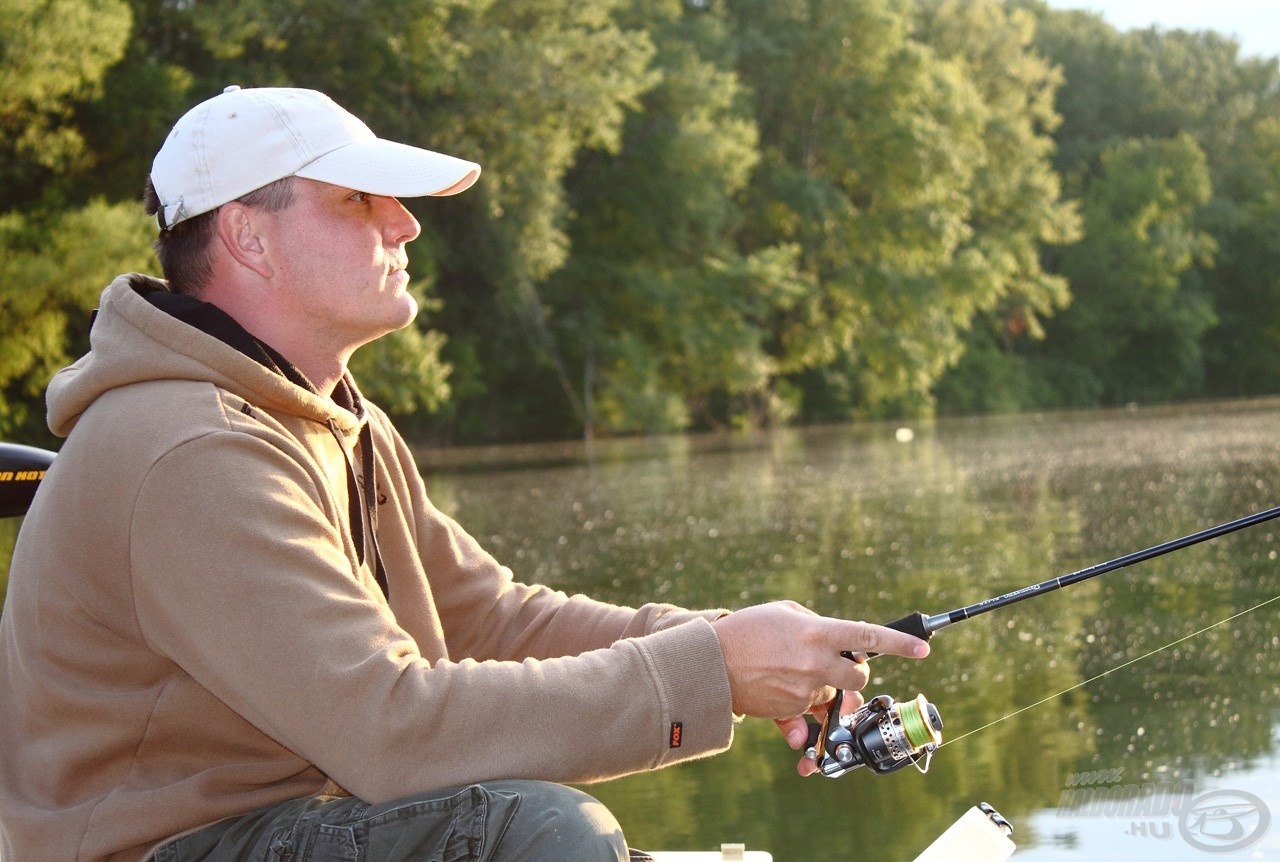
point(1134, 329)
point(541, 86)
point(56, 251)
point(706, 213)
point(905, 150)
point(1145, 299)
point(1240, 350)
point(53, 266)
point(52, 57)
point(669, 322)
point(1017, 200)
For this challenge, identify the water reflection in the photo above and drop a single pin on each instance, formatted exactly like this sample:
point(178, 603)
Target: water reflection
point(853, 522)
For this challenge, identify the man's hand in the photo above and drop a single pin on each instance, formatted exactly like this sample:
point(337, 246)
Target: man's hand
point(784, 661)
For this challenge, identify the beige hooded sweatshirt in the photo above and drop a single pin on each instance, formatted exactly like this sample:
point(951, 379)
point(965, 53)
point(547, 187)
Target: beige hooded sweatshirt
point(190, 634)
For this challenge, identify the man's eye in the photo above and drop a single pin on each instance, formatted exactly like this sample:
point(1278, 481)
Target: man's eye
point(360, 196)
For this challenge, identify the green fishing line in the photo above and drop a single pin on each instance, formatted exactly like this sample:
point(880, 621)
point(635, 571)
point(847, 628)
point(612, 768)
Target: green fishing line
point(915, 725)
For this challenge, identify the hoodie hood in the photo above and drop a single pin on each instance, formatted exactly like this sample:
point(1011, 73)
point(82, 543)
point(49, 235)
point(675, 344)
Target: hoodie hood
point(134, 341)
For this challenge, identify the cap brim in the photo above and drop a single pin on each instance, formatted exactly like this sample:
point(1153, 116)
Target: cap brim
point(389, 168)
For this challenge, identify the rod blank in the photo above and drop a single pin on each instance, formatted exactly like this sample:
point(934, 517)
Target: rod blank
point(923, 626)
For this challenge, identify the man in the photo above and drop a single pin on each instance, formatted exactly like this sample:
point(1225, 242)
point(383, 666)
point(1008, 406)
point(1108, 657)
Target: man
point(237, 628)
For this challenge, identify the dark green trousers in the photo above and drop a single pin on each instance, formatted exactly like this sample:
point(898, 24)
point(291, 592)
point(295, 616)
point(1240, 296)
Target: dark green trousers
point(501, 821)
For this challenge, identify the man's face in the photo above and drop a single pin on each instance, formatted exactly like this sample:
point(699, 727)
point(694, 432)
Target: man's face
point(343, 260)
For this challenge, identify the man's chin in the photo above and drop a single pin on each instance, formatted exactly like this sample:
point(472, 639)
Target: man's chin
point(393, 322)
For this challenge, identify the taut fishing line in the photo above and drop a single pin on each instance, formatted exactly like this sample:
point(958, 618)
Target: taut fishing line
point(1112, 670)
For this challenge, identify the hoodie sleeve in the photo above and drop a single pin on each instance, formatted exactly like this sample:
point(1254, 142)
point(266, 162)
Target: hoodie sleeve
point(241, 577)
point(487, 613)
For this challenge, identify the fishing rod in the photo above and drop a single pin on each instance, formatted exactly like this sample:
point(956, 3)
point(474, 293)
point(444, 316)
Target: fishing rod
point(886, 736)
point(923, 626)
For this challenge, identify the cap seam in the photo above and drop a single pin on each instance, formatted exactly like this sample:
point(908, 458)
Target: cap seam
point(296, 142)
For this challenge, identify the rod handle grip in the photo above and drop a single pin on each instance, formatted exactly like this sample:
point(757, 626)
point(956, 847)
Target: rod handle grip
point(913, 624)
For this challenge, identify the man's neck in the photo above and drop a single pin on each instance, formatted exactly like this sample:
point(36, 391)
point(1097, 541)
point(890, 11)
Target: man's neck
point(324, 373)
point(318, 375)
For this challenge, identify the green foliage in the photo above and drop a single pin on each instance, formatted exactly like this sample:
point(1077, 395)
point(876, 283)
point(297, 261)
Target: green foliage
point(1246, 281)
point(906, 151)
point(55, 257)
point(53, 54)
point(657, 305)
point(1136, 324)
point(701, 214)
point(52, 270)
point(1159, 132)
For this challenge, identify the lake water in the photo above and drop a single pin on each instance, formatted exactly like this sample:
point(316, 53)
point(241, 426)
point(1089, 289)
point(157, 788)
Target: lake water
point(1167, 756)
point(1100, 720)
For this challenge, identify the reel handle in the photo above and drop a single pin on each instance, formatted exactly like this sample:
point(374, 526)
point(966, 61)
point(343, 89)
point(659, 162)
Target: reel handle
point(818, 730)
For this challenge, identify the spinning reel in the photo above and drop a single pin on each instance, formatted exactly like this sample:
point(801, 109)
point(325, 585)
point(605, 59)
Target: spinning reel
point(882, 735)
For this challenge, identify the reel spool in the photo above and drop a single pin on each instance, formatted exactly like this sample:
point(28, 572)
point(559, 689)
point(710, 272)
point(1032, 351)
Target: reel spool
point(882, 735)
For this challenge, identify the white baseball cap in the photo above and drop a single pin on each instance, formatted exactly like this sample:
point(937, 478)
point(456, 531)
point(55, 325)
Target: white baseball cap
point(242, 140)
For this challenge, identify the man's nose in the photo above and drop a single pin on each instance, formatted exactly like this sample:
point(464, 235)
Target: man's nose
point(401, 226)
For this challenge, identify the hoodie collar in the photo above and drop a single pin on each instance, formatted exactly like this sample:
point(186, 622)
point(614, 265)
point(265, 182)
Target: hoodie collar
point(144, 333)
point(213, 321)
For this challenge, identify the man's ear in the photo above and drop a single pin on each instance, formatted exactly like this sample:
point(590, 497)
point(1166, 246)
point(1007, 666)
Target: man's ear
point(239, 232)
